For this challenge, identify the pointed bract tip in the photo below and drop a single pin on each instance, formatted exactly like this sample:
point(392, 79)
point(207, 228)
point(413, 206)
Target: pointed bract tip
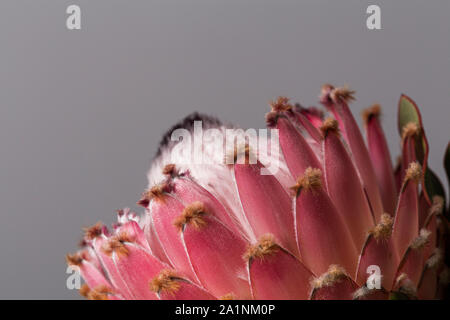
point(310, 111)
point(165, 281)
point(361, 293)
point(421, 240)
point(435, 259)
point(414, 172)
point(193, 214)
point(84, 290)
point(272, 119)
point(100, 292)
point(264, 247)
point(329, 125)
point(228, 296)
point(74, 259)
point(369, 113)
point(311, 180)
point(334, 274)
point(82, 243)
point(411, 129)
point(406, 286)
point(116, 244)
point(383, 229)
point(94, 231)
point(342, 94)
point(281, 104)
point(170, 170)
point(156, 192)
point(325, 91)
point(437, 206)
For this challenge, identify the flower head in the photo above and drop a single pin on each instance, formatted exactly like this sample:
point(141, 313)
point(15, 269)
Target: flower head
point(333, 210)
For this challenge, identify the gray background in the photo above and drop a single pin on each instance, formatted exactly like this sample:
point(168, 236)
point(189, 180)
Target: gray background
point(81, 112)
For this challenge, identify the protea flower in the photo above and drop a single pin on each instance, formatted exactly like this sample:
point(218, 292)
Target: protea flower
point(333, 212)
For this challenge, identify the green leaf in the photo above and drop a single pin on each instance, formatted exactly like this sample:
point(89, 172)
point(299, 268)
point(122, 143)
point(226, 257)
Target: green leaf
point(407, 112)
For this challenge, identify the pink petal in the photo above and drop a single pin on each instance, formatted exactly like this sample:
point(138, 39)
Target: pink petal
point(379, 250)
point(322, 235)
point(336, 100)
point(297, 152)
point(132, 229)
point(406, 223)
point(310, 123)
point(169, 286)
point(189, 191)
point(215, 252)
point(413, 261)
point(153, 240)
point(408, 151)
point(91, 274)
point(381, 159)
point(275, 274)
point(314, 115)
point(164, 211)
point(344, 187)
point(137, 268)
point(113, 274)
point(266, 204)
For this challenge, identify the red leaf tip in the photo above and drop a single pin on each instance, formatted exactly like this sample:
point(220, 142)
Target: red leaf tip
point(100, 292)
point(156, 192)
point(421, 240)
point(74, 259)
point(334, 274)
point(192, 214)
point(406, 286)
point(311, 180)
point(170, 170)
point(414, 172)
point(264, 247)
point(330, 94)
point(437, 206)
point(281, 104)
point(371, 112)
point(329, 125)
point(342, 94)
point(165, 281)
point(117, 244)
point(84, 290)
point(94, 231)
point(435, 259)
point(228, 296)
point(383, 229)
